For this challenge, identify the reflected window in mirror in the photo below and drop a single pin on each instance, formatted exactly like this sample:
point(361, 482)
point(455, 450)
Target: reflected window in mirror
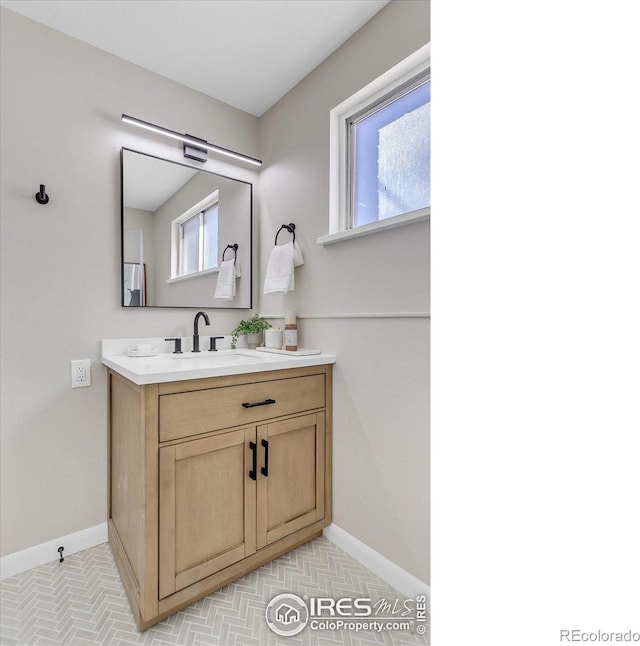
point(194, 239)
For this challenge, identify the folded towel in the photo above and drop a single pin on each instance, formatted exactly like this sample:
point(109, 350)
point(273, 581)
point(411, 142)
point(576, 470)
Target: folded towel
point(226, 287)
point(283, 259)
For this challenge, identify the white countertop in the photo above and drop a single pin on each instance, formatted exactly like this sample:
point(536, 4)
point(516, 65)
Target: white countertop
point(167, 366)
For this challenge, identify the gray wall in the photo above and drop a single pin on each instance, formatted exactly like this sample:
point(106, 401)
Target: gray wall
point(61, 280)
point(60, 276)
point(381, 388)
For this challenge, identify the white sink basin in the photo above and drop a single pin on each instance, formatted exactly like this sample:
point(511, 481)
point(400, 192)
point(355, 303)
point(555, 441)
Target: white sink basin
point(218, 358)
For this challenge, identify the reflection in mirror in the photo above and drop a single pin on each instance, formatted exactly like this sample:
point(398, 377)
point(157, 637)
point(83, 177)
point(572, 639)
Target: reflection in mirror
point(177, 221)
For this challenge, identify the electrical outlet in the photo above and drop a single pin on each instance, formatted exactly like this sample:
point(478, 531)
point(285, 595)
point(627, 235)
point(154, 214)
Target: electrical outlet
point(80, 373)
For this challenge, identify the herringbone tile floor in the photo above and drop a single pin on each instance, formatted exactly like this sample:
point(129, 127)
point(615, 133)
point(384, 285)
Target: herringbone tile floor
point(81, 602)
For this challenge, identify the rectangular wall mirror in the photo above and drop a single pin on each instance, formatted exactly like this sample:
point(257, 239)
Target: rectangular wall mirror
point(178, 224)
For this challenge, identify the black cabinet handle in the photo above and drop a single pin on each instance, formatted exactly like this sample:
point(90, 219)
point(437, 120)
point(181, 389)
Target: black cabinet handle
point(264, 403)
point(254, 447)
point(265, 469)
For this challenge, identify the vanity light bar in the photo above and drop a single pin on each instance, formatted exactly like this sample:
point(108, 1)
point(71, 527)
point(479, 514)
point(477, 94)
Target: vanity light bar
point(191, 141)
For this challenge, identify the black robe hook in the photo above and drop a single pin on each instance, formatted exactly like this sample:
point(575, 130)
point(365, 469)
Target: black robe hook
point(41, 196)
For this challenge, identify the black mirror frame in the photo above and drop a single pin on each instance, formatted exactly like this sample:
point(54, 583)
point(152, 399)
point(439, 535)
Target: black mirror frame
point(200, 306)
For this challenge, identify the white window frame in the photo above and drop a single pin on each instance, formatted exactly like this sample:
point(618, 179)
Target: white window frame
point(339, 173)
point(176, 239)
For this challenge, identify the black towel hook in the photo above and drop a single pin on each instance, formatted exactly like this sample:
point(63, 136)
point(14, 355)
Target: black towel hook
point(41, 196)
point(235, 251)
point(291, 228)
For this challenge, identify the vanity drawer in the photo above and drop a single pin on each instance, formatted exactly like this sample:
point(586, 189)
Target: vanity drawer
point(201, 411)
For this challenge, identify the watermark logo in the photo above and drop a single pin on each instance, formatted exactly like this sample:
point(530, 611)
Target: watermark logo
point(287, 615)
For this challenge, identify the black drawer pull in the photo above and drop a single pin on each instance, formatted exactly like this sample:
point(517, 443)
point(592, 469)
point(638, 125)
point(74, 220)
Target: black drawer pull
point(264, 403)
point(265, 469)
point(254, 448)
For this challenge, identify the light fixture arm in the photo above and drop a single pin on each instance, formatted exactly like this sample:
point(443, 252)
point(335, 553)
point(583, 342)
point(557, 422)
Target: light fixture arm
point(191, 141)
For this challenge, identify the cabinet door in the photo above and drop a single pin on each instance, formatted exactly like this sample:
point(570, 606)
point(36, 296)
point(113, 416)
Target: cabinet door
point(207, 508)
point(291, 476)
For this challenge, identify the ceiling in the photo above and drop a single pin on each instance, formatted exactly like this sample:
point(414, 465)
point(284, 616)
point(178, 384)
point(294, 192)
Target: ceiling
point(149, 182)
point(247, 53)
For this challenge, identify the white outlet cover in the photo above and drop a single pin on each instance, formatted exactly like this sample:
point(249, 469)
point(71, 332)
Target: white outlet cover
point(80, 373)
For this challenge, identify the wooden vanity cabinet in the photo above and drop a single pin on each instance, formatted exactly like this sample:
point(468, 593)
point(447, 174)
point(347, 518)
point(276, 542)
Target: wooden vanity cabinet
point(211, 478)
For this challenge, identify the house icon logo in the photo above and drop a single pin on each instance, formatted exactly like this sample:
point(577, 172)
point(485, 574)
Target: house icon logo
point(287, 615)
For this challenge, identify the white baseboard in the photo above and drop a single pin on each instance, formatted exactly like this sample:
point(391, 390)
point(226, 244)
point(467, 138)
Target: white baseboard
point(387, 570)
point(47, 552)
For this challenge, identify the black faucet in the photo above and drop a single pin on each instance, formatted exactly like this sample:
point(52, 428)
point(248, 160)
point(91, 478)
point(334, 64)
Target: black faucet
point(196, 336)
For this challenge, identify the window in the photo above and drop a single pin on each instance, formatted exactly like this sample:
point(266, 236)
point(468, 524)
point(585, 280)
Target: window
point(380, 153)
point(199, 242)
point(389, 157)
point(194, 240)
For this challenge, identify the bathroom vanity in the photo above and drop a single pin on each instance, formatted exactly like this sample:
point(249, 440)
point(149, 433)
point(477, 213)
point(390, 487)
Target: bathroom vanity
point(217, 465)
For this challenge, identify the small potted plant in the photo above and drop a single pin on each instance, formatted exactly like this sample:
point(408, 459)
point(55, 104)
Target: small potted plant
point(253, 328)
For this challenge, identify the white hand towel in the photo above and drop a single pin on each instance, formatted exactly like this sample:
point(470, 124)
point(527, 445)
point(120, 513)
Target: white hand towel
point(280, 276)
point(226, 287)
point(297, 255)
